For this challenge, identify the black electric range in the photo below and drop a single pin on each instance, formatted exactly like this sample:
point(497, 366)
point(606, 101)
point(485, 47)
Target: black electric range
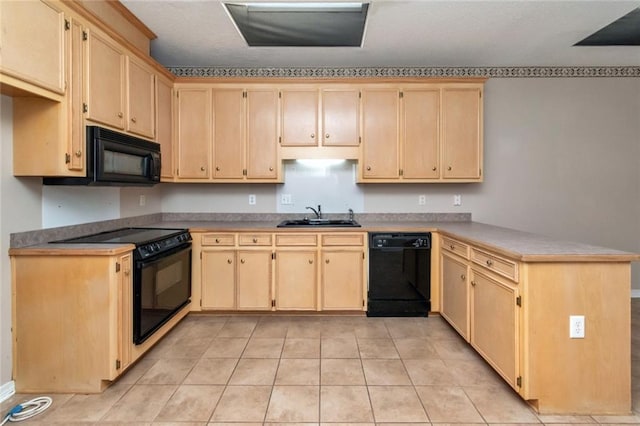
point(148, 241)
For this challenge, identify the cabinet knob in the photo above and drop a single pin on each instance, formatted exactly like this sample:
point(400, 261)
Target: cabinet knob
point(463, 277)
point(434, 168)
point(78, 153)
point(270, 169)
point(134, 120)
point(310, 261)
point(326, 261)
point(119, 115)
point(217, 240)
point(229, 261)
point(368, 168)
point(241, 260)
point(449, 168)
point(473, 283)
point(452, 247)
point(255, 240)
point(489, 262)
point(202, 169)
point(327, 136)
point(217, 169)
point(127, 272)
point(313, 135)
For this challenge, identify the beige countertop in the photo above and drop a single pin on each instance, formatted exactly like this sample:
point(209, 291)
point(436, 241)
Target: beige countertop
point(518, 245)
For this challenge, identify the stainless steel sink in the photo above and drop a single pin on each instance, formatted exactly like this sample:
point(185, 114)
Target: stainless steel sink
point(324, 223)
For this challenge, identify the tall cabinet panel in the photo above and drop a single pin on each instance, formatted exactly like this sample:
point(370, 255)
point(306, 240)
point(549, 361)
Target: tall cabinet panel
point(228, 133)
point(194, 133)
point(262, 134)
point(164, 125)
point(141, 97)
point(75, 94)
point(461, 133)
point(105, 81)
point(420, 118)
point(380, 133)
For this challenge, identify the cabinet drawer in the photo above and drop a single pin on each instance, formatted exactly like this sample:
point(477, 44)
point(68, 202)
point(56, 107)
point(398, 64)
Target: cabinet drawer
point(218, 239)
point(254, 239)
point(505, 267)
point(343, 240)
point(454, 246)
point(296, 240)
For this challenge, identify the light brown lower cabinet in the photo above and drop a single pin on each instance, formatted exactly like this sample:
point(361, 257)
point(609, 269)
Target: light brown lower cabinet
point(296, 279)
point(72, 328)
point(517, 316)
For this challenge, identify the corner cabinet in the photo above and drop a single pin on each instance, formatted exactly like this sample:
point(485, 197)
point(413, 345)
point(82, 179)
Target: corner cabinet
point(515, 314)
point(72, 320)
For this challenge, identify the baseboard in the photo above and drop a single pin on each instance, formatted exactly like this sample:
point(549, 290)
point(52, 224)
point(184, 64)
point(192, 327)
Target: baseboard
point(7, 390)
point(635, 293)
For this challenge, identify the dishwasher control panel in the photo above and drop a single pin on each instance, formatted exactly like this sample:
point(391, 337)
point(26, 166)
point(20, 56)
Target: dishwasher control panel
point(400, 240)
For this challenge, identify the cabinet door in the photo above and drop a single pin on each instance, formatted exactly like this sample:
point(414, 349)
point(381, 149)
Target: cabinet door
point(299, 117)
point(164, 120)
point(194, 133)
point(254, 280)
point(105, 82)
point(461, 133)
point(342, 280)
point(141, 99)
point(494, 323)
point(125, 313)
point(455, 294)
point(218, 279)
point(420, 118)
point(32, 43)
point(380, 113)
point(262, 134)
point(228, 133)
point(296, 277)
point(75, 96)
point(341, 117)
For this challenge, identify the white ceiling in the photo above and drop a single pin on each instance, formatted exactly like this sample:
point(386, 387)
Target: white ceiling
point(418, 33)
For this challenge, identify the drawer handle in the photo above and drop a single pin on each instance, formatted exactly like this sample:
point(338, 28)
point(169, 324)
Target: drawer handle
point(134, 120)
point(489, 262)
point(463, 277)
point(452, 247)
point(368, 168)
point(120, 115)
point(326, 261)
point(310, 261)
point(434, 169)
point(202, 169)
point(229, 261)
point(270, 169)
point(217, 240)
point(241, 260)
point(217, 168)
point(327, 136)
point(449, 168)
point(313, 135)
point(255, 240)
point(473, 283)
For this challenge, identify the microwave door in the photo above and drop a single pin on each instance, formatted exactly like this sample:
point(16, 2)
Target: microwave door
point(121, 163)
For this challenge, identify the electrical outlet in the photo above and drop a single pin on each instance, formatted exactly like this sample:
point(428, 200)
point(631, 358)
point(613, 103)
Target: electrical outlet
point(576, 326)
point(143, 200)
point(285, 199)
point(422, 200)
point(457, 200)
point(252, 199)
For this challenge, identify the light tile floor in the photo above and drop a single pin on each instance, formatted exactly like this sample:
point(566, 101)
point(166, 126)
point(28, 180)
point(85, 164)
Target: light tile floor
point(254, 370)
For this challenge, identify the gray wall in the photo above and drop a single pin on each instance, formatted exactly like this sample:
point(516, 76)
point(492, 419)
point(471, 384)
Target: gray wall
point(562, 158)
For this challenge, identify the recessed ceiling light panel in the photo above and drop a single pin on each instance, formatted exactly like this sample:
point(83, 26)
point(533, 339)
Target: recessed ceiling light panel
point(293, 24)
point(621, 32)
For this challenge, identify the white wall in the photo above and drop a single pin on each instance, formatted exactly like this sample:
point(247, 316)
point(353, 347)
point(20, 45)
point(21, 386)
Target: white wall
point(19, 211)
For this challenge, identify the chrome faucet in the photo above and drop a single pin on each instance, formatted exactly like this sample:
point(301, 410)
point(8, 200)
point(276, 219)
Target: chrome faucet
point(317, 212)
point(351, 218)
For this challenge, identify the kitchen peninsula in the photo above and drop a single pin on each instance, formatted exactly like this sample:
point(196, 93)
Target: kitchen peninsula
point(508, 293)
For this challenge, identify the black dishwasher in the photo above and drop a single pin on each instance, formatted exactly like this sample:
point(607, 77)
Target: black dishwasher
point(399, 275)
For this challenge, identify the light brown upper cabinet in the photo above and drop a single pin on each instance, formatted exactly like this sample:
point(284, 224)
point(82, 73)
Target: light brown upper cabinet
point(438, 139)
point(262, 160)
point(193, 130)
point(461, 135)
point(164, 126)
point(33, 46)
point(105, 81)
point(141, 97)
point(380, 133)
point(228, 133)
point(299, 117)
point(340, 117)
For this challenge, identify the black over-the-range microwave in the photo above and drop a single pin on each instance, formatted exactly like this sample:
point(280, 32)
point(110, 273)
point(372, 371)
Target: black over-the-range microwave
point(116, 159)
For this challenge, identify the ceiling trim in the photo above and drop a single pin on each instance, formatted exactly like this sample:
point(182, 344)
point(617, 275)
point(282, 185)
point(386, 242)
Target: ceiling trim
point(404, 72)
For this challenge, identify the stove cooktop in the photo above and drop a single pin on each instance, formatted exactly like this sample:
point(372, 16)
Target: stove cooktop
point(137, 236)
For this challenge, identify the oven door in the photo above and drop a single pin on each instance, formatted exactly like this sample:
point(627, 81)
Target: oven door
point(161, 287)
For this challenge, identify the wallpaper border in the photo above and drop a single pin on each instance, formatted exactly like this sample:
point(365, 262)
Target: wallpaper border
point(488, 72)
